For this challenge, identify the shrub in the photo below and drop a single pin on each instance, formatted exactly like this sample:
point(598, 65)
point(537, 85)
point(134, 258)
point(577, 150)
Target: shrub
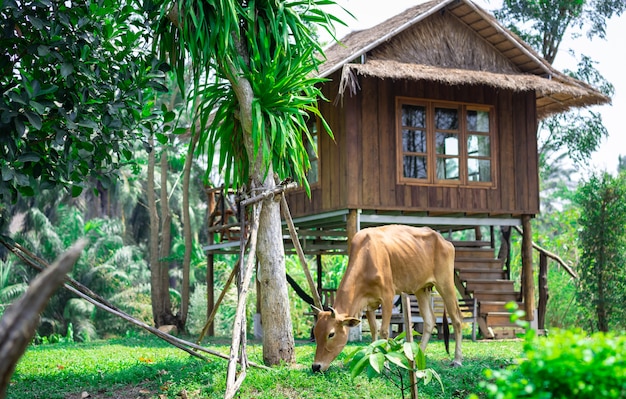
point(567, 364)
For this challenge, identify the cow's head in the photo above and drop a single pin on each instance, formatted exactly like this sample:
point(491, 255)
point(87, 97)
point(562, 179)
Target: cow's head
point(331, 335)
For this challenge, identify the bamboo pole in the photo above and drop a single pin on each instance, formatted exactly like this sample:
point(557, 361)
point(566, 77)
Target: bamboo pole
point(296, 244)
point(233, 382)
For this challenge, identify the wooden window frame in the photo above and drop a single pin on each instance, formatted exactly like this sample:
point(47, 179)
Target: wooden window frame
point(431, 155)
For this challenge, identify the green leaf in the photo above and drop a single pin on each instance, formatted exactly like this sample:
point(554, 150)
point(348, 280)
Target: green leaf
point(29, 157)
point(169, 116)
point(398, 359)
point(76, 191)
point(161, 138)
point(34, 119)
point(359, 365)
point(377, 361)
point(67, 69)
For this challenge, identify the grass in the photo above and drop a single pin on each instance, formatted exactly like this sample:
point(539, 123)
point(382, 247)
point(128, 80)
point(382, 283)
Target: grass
point(145, 367)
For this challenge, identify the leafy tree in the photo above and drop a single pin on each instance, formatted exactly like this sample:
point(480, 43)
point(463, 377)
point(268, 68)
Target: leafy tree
point(75, 82)
point(543, 24)
point(253, 64)
point(602, 237)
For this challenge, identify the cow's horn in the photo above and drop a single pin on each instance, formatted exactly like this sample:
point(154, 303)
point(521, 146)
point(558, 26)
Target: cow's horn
point(316, 309)
point(333, 313)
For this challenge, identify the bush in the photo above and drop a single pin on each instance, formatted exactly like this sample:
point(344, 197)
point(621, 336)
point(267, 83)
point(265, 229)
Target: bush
point(567, 364)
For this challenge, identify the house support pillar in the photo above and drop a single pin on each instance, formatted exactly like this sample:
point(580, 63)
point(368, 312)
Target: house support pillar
point(528, 286)
point(352, 225)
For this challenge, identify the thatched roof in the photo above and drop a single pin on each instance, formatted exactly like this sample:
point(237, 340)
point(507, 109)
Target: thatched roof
point(455, 42)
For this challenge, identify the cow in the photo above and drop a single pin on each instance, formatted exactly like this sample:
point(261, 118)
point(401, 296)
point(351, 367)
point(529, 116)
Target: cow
point(385, 261)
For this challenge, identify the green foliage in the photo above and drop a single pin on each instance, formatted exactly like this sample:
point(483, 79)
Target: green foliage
point(75, 82)
point(602, 243)
point(266, 47)
point(567, 364)
point(392, 358)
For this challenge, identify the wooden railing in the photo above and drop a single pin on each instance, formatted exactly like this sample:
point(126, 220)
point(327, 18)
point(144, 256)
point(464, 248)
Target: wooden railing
point(544, 254)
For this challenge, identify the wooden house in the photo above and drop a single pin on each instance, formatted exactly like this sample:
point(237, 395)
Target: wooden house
point(434, 114)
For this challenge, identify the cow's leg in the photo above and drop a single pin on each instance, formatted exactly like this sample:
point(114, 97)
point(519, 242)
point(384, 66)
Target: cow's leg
point(448, 294)
point(371, 319)
point(426, 310)
point(387, 310)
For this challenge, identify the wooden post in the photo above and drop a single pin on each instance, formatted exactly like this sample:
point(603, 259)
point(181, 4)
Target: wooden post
point(543, 292)
point(318, 259)
point(352, 225)
point(210, 288)
point(528, 286)
point(408, 327)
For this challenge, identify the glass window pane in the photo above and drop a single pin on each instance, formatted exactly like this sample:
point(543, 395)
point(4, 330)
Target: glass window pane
point(478, 121)
point(447, 143)
point(413, 141)
point(479, 170)
point(413, 115)
point(447, 168)
point(415, 167)
point(478, 146)
point(447, 118)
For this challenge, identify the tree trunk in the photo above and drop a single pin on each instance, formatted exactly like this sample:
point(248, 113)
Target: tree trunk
point(184, 301)
point(166, 317)
point(278, 342)
point(159, 292)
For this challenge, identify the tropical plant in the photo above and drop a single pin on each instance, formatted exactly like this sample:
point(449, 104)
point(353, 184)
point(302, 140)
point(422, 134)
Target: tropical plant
point(254, 88)
point(566, 364)
point(392, 359)
point(602, 242)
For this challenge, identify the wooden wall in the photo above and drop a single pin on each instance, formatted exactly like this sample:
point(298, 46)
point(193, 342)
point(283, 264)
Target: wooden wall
point(358, 169)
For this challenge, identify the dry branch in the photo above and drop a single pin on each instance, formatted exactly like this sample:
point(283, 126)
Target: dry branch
point(19, 322)
point(79, 290)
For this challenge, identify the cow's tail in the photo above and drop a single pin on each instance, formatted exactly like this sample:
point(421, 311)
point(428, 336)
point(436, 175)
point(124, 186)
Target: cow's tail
point(446, 331)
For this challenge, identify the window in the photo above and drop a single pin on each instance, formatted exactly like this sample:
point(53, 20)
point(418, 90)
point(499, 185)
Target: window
point(445, 142)
point(312, 150)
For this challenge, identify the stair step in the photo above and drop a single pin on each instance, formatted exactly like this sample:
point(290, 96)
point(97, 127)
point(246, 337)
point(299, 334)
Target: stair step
point(482, 253)
point(494, 306)
point(481, 274)
point(507, 332)
point(473, 263)
point(508, 296)
point(472, 244)
point(499, 319)
point(504, 286)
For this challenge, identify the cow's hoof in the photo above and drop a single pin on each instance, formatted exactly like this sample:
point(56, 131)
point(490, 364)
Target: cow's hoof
point(456, 363)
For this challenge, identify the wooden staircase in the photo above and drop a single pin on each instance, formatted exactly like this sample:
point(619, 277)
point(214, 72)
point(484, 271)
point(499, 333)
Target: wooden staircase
point(480, 275)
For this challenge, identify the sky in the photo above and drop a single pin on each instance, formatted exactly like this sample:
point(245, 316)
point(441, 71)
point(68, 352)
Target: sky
point(610, 55)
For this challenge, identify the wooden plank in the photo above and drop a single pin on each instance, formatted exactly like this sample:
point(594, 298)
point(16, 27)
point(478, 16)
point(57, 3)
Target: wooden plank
point(353, 174)
point(521, 154)
point(533, 156)
point(370, 193)
point(387, 144)
point(506, 156)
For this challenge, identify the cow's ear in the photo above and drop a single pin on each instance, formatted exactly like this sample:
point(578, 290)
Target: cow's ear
point(351, 322)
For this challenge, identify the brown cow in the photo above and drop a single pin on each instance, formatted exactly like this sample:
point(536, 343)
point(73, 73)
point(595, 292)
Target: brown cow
point(385, 261)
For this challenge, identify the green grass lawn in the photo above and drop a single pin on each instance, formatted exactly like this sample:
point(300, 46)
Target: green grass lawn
point(146, 367)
